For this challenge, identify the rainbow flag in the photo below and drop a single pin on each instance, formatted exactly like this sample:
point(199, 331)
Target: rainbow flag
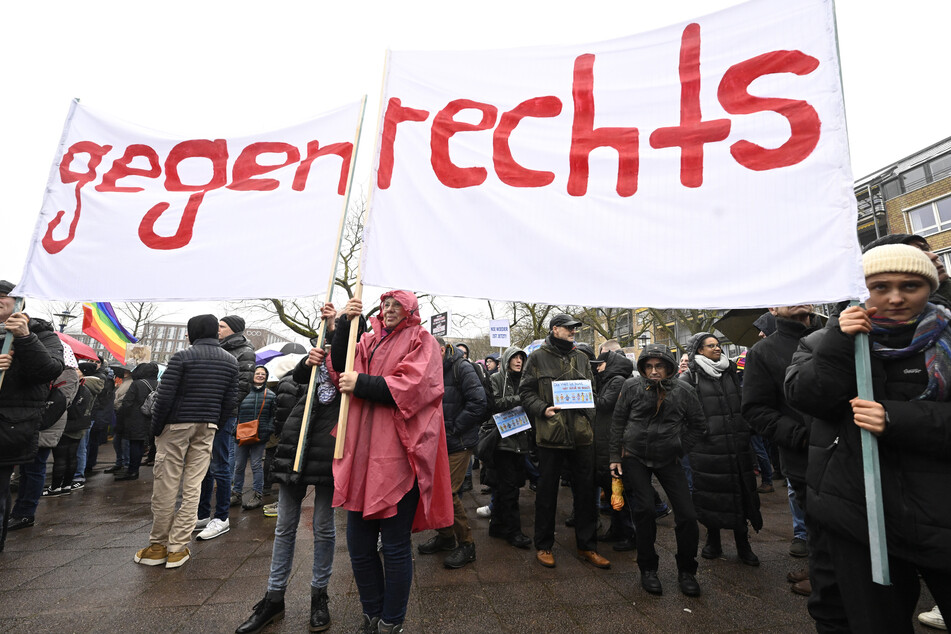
point(100, 323)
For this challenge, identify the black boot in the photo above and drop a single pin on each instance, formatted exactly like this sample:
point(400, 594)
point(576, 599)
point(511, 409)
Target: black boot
point(266, 611)
point(743, 549)
point(712, 549)
point(319, 613)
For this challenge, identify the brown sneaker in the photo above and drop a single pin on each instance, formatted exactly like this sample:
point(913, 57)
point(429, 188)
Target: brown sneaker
point(154, 555)
point(802, 587)
point(799, 575)
point(765, 488)
point(593, 558)
point(177, 559)
point(546, 558)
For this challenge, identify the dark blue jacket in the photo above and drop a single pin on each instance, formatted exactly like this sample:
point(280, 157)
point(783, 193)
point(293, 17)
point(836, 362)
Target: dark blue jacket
point(463, 403)
point(259, 404)
point(199, 386)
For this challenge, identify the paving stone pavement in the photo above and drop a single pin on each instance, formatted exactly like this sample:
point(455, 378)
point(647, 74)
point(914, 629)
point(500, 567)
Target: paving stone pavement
point(73, 572)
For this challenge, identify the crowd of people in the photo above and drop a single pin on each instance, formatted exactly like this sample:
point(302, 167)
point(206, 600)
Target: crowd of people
point(419, 412)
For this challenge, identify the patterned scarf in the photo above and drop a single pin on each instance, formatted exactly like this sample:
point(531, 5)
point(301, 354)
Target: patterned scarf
point(932, 336)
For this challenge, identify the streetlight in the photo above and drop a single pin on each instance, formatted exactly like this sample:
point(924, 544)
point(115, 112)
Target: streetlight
point(64, 318)
point(643, 339)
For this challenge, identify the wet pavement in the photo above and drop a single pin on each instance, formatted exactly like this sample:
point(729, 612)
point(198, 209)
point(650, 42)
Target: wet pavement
point(73, 572)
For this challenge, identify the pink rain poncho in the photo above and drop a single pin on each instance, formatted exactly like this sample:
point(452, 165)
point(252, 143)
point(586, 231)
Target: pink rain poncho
point(388, 448)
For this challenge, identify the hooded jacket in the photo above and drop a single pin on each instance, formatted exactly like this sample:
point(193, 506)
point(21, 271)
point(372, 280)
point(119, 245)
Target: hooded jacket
point(132, 424)
point(37, 360)
point(764, 403)
point(463, 403)
point(318, 454)
point(388, 448)
point(568, 428)
point(238, 346)
point(618, 369)
point(259, 404)
point(724, 485)
point(503, 385)
point(914, 450)
point(656, 422)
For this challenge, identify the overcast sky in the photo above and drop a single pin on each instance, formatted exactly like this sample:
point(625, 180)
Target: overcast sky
point(216, 69)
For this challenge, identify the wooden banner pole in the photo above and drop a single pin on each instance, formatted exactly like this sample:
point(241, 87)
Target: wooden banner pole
point(322, 329)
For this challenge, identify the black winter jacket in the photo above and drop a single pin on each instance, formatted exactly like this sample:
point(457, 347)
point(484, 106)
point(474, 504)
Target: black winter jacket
point(288, 392)
point(463, 403)
point(724, 485)
point(199, 386)
point(914, 450)
point(104, 409)
point(655, 434)
point(241, 349)
point(503, 386)
point(132, 424)
point(618, 369)
point(317, 463)
point(764, 404)
point(37, 361)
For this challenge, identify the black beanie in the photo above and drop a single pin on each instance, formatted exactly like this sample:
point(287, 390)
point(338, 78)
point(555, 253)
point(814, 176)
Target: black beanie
point(88, 368)
point(202, 327)
point(234, 322)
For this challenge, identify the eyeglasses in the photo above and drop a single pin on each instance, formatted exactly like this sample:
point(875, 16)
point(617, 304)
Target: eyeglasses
point(711, 346)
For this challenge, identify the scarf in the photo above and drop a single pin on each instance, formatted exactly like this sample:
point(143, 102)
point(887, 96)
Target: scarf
point(562, 345)
point(711, 368)
point(932, 336)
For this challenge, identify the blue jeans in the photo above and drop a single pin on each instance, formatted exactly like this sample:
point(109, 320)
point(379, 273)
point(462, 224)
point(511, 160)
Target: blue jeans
point(219, 473)
point(384, 586)
point(80, 475)
point(285, 535)
point(241, 454)
point(798, 515)
point(32, 479)
point(688, 471)
point(761, 448)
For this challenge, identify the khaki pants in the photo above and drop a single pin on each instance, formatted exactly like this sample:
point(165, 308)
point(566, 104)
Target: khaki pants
point(182, 455)
point(458, 465)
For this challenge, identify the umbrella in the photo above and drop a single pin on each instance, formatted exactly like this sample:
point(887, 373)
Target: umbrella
point(81, 350)
point(737, 325)
point(271, 351)
point(279, 366)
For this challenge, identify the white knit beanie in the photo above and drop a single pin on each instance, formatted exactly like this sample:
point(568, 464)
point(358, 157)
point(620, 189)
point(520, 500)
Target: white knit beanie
point(900, 258)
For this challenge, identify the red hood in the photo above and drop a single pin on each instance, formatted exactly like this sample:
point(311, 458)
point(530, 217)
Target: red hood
point(409, 303)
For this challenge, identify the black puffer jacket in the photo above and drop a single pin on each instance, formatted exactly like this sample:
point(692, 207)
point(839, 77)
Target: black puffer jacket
point(241, 349)
point(463, 403)
point(724, 485)
point(132, 424)
point(618, 369)
point(914, 450)
point(199, 386)
point(503, 384)
point(104, 409)
point(288, 392)
point(317, 464)
point(764, 404)
point(37, 360)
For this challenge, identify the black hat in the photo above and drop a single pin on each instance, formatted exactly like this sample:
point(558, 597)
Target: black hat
point(587, 349)
point(565, 320)
point(234, 322)
point(88, 368)
point(6, 287)
point(202, 327)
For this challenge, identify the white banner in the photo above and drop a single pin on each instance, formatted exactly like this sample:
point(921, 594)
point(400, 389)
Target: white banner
point(132, 214)
point(499, 333)
point(702, 165)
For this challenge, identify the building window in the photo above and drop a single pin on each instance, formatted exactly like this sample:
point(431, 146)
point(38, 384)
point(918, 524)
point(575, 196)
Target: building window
point(931, 217)
point(941, 167)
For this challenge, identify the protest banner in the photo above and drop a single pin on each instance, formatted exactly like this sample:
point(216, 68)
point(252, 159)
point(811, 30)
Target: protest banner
point(179, 213)
point(499, 335)
point(730, 125)
point(439, 324)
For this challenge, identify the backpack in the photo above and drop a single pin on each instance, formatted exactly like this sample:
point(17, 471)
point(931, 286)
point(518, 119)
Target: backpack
point(149, 403)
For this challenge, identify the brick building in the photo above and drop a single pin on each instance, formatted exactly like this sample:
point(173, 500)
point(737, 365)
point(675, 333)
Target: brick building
point(912, 195)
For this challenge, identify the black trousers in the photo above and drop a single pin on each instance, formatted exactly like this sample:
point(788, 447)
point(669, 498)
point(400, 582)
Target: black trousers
point(580, 462)
point(872, 608)
point(637, 478)
point(64, 462)
point(510, 472)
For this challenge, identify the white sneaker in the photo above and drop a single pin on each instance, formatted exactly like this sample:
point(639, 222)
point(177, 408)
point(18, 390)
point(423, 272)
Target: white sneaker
point(202, 523)
point(215, 528)
point(484, 511)
point(933, 619)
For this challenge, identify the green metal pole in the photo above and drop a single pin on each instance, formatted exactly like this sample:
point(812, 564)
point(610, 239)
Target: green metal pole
point(870, 464)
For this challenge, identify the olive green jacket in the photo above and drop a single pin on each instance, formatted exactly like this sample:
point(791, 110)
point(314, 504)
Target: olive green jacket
point(569, 428)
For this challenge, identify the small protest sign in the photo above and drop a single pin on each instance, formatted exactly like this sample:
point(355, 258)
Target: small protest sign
point(499, 333)
point(512, 421)
point(439, 324)
point(572, 394)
